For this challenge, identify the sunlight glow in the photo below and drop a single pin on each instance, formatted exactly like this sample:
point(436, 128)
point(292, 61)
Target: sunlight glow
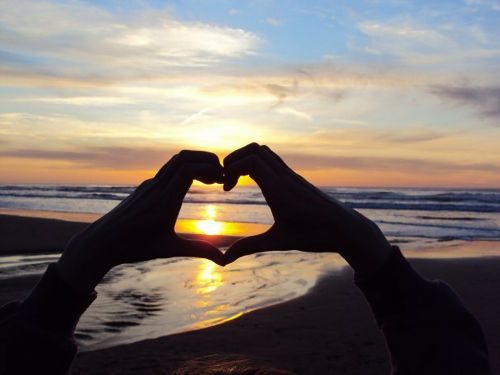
point(226, 228)
point(209, 225)
point(208, 278)
point(211, 211)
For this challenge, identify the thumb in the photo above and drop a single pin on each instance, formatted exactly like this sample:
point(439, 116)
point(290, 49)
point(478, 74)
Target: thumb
point(250, 245)
point(199, 249)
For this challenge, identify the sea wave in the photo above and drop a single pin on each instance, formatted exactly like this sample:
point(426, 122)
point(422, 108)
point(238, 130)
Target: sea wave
point(397, 199)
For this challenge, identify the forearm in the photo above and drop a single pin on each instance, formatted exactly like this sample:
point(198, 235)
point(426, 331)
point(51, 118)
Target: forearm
point(363, 245)
point(82, 265)
point(37, 334)
point(427, 328)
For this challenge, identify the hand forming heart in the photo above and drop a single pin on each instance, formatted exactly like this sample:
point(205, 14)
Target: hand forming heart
point(142, 226)
point(305, 218)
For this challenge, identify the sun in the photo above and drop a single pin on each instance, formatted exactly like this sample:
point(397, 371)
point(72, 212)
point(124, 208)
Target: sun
point(210, 226)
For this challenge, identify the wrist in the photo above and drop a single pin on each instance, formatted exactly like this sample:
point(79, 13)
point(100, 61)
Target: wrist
point(369, 260)
point(369, 251)
point(81, 267)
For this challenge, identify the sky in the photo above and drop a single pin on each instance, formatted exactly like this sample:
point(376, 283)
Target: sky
point(349, 93)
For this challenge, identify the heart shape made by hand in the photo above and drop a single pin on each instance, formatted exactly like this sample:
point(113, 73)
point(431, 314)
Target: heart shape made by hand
point(304, 217)
point(141, 227)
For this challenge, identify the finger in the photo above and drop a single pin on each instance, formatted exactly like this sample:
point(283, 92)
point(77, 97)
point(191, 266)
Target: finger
point(199, 249)
point(262, 151)
point(230, 181)
point(161, 172)
point(273, 159)
point(241, 153)
point(277, 162)
point(186, 156)
point(250, 245)
point(188, 172)
point(253, 166)
point(198, 156)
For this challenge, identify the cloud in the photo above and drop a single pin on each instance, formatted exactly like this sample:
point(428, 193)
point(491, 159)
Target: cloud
point(317, 162)
point(119, 158)
point(408, 32)
point(486, 100)
point(99, 101)
point(294, 112)
point(127, 158)
point(281, 92)
point(424, 39)
point(274, 21)
point(411, 136)
point(491, 4)
point(81, 39)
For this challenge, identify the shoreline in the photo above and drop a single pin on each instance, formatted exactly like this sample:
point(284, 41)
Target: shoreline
point(330, 329)
point(40, 235)
point(48, 232)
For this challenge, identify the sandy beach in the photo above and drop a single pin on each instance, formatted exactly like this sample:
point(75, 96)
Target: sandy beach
point(44, 234)
point(328, 330)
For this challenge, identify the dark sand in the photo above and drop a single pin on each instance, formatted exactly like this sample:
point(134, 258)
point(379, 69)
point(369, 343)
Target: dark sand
point(328, 331)
point(33, 235)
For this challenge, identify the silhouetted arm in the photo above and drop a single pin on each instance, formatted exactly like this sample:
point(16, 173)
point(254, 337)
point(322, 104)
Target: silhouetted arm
point(36, 336)
point(427, 328)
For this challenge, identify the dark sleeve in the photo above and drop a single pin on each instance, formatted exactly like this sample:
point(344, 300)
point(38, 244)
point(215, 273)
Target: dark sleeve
point(427, 328)
point(36, 335)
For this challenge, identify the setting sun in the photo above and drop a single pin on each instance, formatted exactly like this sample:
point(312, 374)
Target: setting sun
point(209, 225)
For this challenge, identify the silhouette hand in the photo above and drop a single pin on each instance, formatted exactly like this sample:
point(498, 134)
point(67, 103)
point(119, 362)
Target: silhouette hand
point(305, 218)
point(142, 226)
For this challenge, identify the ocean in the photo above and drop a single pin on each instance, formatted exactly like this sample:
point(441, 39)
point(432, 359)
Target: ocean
point(167, 296)
point(413, 216)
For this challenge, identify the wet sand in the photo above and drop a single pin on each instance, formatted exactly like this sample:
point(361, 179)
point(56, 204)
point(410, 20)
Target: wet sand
point(328, 330)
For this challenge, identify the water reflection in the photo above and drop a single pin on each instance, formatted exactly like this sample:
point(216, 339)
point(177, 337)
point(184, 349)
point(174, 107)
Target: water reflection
point(208, 278)
point(210, 227)
point(208, 224)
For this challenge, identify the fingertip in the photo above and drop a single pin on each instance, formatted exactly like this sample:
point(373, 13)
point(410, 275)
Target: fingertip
point(230, 183)
point(228, 261)
point(221, 262)
point(217, 257)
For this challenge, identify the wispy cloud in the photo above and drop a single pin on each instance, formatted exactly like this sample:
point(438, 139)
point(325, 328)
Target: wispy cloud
point(410, 136)
point(492, 4)
point(486, 100)
point(100, 40)
point(120, 158)
point(274, 21)
point(406, 165)
point(125, 158)
point(411, 33)
point(424, 39)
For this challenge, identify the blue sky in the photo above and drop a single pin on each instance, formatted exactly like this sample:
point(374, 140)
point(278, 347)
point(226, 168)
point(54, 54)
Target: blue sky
point(373, 92)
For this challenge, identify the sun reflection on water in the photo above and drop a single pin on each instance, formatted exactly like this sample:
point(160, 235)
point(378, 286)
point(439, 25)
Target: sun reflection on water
point(210, 226)
point(208, 279)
